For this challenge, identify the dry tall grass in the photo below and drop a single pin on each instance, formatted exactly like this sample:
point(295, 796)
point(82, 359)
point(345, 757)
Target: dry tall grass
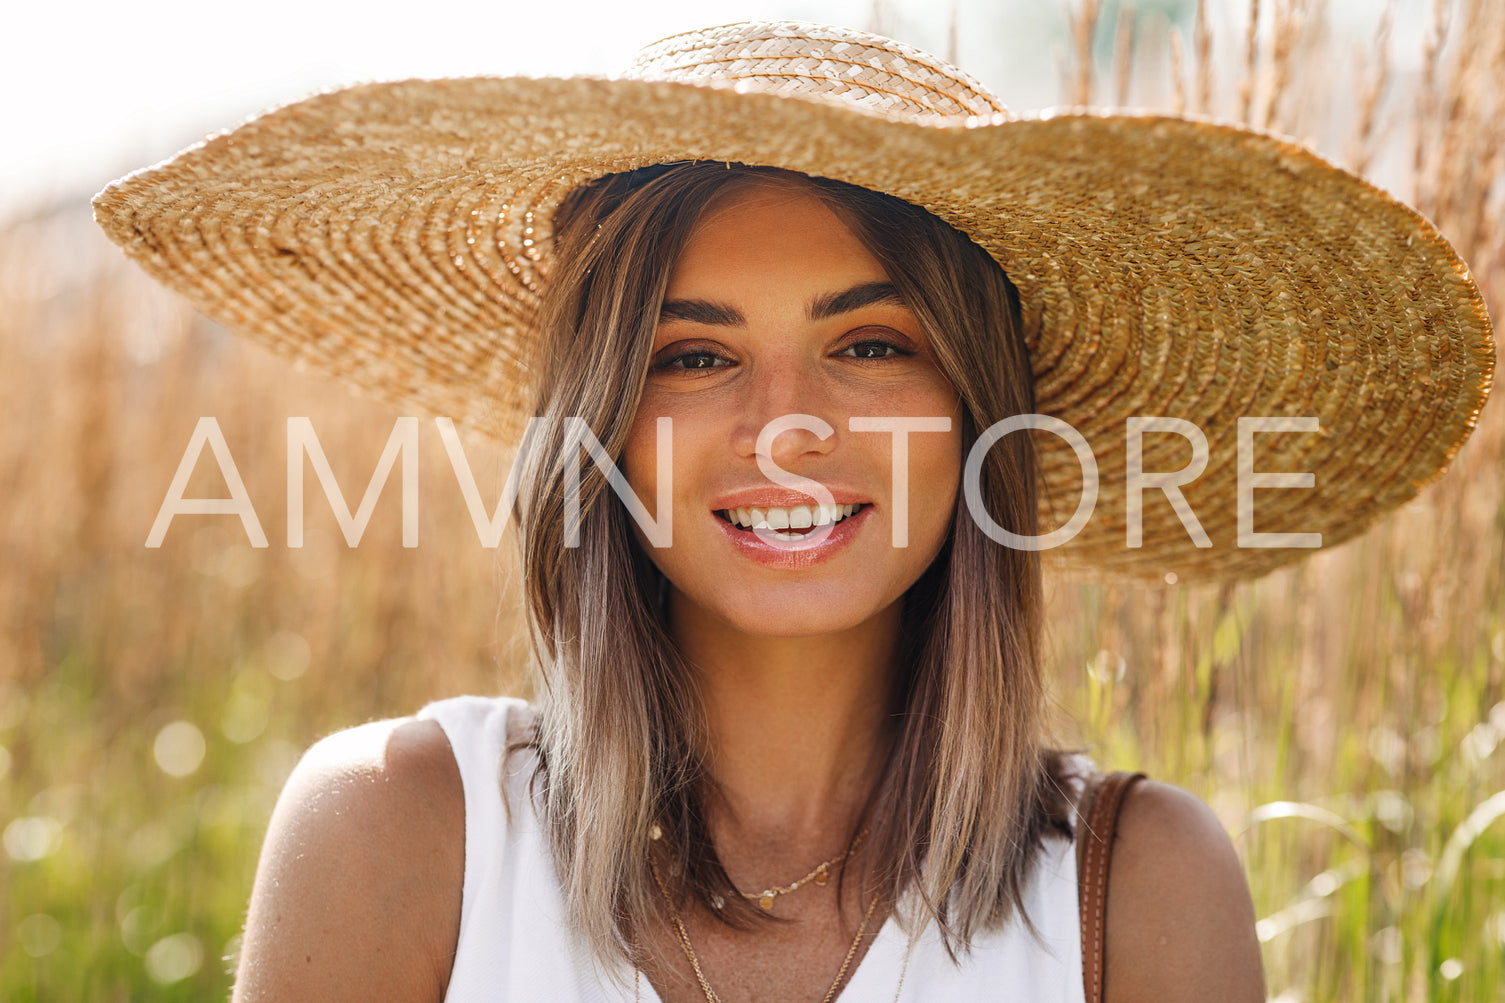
point(1343, 716)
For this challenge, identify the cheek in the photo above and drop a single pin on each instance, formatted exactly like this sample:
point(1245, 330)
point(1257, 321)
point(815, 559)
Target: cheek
point(639, 465)
point(935, 480)
point(681, 457)
point(939, 454)
point(639, 458)
point(935, 473)
point(640, 453)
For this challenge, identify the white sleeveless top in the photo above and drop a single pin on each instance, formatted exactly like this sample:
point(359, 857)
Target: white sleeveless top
point(515, 945)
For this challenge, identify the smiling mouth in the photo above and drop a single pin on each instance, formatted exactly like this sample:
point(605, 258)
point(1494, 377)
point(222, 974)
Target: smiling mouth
point(789, 523)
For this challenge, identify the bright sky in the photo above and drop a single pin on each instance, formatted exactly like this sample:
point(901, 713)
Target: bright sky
point(92, 90)
point(95, 89)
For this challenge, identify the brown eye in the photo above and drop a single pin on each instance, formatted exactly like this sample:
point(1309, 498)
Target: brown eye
point(873, 350)
point(694, 360)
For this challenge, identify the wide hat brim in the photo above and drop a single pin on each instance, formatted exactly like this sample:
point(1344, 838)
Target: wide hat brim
point(397, 236)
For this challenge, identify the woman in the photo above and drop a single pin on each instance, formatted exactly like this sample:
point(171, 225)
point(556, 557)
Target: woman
point(772, 692)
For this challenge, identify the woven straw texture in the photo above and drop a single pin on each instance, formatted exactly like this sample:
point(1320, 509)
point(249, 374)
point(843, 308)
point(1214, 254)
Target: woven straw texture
point(397, 236)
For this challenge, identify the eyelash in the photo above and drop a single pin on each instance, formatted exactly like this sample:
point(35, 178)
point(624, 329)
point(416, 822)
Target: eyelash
point(671, 363)
point(894, 351)
point(674, 362)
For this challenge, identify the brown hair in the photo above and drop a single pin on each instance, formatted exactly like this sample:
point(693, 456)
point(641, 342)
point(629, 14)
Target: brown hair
point(967, 791)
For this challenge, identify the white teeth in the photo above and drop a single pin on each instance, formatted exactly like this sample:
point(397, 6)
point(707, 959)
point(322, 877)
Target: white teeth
point(798, 517)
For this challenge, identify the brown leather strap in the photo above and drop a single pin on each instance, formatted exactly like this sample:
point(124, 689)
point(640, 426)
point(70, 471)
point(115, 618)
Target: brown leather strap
point(1097, 819)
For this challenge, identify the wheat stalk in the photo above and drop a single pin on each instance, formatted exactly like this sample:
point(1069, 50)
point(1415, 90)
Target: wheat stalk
point(1362, 146)
point(1083, 20)
point(1204, 59)
point(1123, 54)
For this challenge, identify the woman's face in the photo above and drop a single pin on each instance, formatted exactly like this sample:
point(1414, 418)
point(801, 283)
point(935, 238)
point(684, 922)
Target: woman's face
point(776, 309)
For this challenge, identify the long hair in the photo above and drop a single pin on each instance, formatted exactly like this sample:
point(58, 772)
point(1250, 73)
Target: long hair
point(967, 793)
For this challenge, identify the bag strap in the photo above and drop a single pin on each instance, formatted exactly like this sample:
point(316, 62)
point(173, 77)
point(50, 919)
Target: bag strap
point(1097, 818)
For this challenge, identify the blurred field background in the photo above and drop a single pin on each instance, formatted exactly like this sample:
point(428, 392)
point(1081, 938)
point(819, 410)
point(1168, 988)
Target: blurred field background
point(1344, 716)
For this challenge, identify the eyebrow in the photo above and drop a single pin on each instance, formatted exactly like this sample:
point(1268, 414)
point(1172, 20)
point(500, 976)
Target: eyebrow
point(854, 298)
point(820, 308)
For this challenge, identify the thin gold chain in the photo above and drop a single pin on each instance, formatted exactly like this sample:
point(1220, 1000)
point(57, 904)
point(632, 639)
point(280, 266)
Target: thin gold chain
point(818, 874)
point(705, 985)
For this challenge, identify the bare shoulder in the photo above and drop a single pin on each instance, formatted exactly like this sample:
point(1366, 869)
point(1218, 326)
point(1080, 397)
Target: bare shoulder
point(1180, 919)
point(358, 890)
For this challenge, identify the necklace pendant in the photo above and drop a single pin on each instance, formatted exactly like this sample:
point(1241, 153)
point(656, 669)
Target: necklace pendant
point(821, 874)
point(766, 901)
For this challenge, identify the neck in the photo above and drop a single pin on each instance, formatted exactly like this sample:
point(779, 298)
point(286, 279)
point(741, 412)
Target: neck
point(798, 729)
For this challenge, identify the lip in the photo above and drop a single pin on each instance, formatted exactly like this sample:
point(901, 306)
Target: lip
point(794, 554)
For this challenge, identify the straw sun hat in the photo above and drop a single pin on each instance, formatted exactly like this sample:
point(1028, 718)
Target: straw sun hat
point(397, 236)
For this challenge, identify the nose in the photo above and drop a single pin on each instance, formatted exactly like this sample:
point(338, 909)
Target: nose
point(784, 417)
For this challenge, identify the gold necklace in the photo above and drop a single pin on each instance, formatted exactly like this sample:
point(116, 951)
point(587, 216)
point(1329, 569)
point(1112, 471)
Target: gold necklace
point(819, 874)
point(705, 985)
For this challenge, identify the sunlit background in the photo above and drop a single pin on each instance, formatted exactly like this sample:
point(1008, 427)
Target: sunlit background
point(93, 90)
point(1343, 717)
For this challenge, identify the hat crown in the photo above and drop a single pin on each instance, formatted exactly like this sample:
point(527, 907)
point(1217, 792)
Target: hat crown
point(794, 59)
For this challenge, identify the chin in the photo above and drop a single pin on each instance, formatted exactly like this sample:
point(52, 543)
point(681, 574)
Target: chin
point(799, 612)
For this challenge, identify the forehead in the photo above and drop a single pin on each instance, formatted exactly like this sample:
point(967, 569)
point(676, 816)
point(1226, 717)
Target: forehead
point(771, 234)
